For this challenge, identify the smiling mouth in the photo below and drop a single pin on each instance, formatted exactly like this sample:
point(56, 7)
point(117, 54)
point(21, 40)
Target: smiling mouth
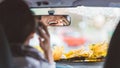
point(52, 22)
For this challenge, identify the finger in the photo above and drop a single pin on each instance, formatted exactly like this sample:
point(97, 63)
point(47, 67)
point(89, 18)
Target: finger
point(45, 28)
point(43, 34)
point(41, 43)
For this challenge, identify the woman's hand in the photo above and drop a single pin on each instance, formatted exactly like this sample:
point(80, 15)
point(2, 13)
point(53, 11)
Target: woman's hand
point(44, 39)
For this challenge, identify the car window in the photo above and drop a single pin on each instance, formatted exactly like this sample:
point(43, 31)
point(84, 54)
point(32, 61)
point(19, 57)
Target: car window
point(87, 37)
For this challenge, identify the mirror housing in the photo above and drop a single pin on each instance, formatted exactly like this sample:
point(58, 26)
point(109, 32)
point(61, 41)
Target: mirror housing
point(54, 20)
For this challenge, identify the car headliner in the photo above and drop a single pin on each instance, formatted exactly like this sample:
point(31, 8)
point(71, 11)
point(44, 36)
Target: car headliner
point(66, 3)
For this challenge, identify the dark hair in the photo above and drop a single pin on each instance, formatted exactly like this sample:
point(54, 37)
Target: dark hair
point(17, 20)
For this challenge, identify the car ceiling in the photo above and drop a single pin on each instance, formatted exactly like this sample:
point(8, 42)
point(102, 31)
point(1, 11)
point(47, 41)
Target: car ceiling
point(69, 3)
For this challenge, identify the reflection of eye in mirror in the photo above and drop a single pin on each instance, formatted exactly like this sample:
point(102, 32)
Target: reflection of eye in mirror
point(54, 20)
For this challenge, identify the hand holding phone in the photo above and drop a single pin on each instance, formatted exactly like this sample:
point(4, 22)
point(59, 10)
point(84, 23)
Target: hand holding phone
point(44, 39)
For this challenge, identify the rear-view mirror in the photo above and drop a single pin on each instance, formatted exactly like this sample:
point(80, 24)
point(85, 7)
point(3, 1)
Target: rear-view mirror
point(54, 20)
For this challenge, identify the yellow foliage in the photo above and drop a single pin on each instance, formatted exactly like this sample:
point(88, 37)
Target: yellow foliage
point(57, 52)
point(95, 51)
point(99, 49)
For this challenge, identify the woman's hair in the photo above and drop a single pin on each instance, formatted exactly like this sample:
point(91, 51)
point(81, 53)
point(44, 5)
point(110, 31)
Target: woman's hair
point(17, 20)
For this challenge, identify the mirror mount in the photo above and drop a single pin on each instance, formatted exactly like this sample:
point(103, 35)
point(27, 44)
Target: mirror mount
point(51, 12)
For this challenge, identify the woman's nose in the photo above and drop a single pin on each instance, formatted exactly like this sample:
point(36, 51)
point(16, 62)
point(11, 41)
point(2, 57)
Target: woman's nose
point(52, 17)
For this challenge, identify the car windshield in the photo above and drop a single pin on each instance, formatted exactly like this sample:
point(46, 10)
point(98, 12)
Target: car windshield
point(88, 35)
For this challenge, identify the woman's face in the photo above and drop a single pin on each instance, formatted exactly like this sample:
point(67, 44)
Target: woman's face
point(52, 20)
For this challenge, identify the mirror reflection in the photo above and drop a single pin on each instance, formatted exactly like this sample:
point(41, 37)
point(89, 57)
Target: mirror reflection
point(54, 20)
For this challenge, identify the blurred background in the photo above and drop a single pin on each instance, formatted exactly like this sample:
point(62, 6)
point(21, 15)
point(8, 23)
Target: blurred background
point(89, 25)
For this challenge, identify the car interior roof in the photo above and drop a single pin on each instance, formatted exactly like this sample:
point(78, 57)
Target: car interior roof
point(66, 3)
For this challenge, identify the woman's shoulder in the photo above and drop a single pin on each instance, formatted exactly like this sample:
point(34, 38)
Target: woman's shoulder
point(29, 57)
point(29, 62)
point(26, 62)
point(19, 50)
